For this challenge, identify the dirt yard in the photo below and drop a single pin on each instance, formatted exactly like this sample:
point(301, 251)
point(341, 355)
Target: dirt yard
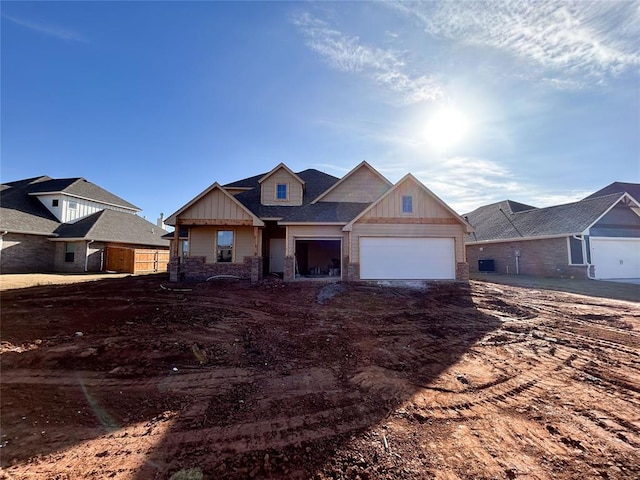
point(136, 378)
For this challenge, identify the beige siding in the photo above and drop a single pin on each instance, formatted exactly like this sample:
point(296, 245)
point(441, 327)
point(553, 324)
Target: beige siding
point(202, 242)
point(309, 231)
point(363, 186)
point(424, 206)
point(217, 205)
point(294, 189)
point(406, 230)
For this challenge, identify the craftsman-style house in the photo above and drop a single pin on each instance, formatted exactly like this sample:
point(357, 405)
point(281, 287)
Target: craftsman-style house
point(310, 225)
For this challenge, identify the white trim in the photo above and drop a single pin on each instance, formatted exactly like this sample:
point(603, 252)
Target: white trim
point(94, 200)
point(521, 239)
point(624, 195)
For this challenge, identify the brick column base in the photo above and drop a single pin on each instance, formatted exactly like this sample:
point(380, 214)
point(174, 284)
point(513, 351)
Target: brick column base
point(256, 269)
point(174, 269)
point(462, 272)
point(353, 272)
point(289, 268)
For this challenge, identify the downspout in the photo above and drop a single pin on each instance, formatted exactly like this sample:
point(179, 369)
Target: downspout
point(86, 256)
point(2, 241)
point(584, 255)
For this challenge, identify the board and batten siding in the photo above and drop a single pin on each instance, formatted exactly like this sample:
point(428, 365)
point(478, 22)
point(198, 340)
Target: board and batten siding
point(312, 231)
point(269, 188)
point(424, 206)
point(406, 230)
point(215, 205)
point(84, 208)
point(363, 186)
point(202, 242)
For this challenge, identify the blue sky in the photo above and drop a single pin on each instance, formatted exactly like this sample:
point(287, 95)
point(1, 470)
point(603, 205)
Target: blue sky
point(155, 101)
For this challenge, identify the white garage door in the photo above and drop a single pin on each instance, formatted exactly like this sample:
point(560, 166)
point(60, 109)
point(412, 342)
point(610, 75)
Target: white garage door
point(616, 257)
point(403, 258)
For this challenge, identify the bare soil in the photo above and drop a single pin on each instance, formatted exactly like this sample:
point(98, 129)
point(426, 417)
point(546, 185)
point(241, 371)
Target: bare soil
point(137, 378)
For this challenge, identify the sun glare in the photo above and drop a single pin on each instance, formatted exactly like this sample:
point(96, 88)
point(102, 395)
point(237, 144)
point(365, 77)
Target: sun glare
point(447, 128)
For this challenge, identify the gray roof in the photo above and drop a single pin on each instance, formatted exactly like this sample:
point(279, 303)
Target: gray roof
point(511, 220)
point(316, 182)
point(113, 226)
point(21, 212)
point(81, 188)
point(632, 189)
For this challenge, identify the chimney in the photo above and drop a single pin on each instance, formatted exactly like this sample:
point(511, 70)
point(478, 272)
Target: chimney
point(160, 221)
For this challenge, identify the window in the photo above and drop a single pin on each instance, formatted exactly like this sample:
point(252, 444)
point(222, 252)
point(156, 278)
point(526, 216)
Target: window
point(73, 205)
point(575, 252)
point(69, 252)
point(407, 204)
point(54, 202)
point(185, 248)
point(281, 191)
point(224, 246)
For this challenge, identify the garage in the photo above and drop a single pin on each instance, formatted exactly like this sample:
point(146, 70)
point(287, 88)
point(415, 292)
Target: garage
point(615, 257)
point(407, 258)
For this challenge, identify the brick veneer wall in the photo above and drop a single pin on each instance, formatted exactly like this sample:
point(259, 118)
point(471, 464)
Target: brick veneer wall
point(289, 268)
point(462, 272)
point(26, 254)
point(196, 269)
point(544, 257)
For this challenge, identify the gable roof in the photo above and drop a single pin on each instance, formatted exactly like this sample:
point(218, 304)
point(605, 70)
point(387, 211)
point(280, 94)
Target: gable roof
point(281, 166)
point(362, 165)
point(408, 177)
point(632, 189)
point(315, 182)
point(21, 213)
point(80, 188)
point(171, 220)
point(499, 222)
point(113, 226)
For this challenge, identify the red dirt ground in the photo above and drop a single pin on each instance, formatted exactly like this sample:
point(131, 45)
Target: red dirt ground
point(137, 378)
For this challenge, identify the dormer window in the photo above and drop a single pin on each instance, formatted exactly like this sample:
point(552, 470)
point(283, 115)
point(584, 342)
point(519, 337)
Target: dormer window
point(73, 205)
point(407, 204)
point(54, 202)
point(281, 191)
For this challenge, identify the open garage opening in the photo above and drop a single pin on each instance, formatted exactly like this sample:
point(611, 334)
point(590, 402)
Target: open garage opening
point(318, 258)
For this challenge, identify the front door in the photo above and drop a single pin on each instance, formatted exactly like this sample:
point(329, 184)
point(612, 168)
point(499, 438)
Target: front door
point(276, 255)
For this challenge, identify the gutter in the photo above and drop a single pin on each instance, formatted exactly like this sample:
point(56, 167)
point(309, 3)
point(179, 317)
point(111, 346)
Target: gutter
point(584, 255)
point(86, 256)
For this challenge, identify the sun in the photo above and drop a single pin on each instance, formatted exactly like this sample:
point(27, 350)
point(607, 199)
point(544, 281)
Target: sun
point(447, 128)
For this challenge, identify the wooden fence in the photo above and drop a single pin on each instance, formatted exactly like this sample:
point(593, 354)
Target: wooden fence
point(136, 260)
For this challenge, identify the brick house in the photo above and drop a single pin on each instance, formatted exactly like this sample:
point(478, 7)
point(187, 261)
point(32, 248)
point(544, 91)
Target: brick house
point(597, 237)
point(72, 225)
point(312, 225)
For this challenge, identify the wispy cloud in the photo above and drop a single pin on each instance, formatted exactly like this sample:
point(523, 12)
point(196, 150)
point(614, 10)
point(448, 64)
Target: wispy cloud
point(592, 40)
point(384, 66)
point(49, 30)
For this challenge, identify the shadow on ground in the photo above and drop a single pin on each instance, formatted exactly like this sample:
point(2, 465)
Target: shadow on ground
point(267, 381)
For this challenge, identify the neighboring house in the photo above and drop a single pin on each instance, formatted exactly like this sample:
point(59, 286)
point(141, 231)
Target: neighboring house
point(598, 237)
point(72, 225)
point(632, 189)
point(310, 224)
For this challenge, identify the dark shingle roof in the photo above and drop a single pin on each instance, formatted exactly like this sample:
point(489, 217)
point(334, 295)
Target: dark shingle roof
point(632, 189)
point(22, 213)
point(316, 182)
point(499, 221)
point(113, 226)
point(325, 212)
point(81, 188)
